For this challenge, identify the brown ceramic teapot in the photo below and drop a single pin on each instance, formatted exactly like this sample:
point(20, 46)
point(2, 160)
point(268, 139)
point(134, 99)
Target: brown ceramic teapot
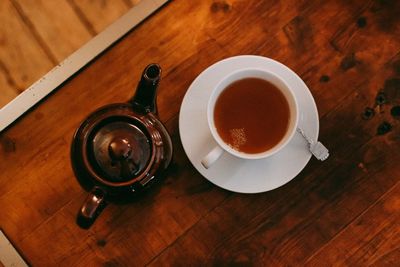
point(121, 149)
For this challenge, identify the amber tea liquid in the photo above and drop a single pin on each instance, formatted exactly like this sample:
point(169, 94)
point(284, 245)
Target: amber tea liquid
point(251, 115)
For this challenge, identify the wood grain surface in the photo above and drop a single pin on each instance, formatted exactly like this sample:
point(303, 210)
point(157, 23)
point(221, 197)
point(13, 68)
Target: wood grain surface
point(22, 59)
point(100, 14)
point(343, 212)
point(58, 26)
point(36, 35)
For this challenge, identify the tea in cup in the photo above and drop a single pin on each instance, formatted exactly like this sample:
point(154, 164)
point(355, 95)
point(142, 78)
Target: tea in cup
point(252, 114)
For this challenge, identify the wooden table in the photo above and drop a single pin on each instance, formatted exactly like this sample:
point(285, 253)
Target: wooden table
point(344, 211)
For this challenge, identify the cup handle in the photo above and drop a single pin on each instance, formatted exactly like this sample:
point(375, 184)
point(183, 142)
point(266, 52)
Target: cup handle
point(212, 157)
point(91, 208)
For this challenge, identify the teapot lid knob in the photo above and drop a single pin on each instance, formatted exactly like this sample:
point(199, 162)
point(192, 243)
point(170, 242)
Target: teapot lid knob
point(119, 149)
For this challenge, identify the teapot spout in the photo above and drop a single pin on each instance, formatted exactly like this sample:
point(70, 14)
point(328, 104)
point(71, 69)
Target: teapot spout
point(145, 98)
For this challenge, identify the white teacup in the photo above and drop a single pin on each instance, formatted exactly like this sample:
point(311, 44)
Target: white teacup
point(222, 147)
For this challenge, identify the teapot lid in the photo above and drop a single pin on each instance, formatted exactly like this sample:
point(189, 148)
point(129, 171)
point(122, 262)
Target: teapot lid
point(118, 150)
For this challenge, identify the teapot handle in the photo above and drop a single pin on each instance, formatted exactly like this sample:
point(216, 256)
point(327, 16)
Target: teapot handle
point(91, 208)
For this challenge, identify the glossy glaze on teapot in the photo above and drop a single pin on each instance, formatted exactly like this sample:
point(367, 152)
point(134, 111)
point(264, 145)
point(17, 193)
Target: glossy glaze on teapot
point(121, 148)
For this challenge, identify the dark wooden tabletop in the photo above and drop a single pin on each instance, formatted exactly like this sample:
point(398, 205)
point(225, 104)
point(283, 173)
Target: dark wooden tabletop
point(344, 211)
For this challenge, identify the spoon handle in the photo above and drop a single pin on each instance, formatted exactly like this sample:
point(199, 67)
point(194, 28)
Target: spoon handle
point(316, 148)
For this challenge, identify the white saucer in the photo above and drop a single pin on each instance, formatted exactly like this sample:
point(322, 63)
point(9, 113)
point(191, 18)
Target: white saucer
point(229, 172)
